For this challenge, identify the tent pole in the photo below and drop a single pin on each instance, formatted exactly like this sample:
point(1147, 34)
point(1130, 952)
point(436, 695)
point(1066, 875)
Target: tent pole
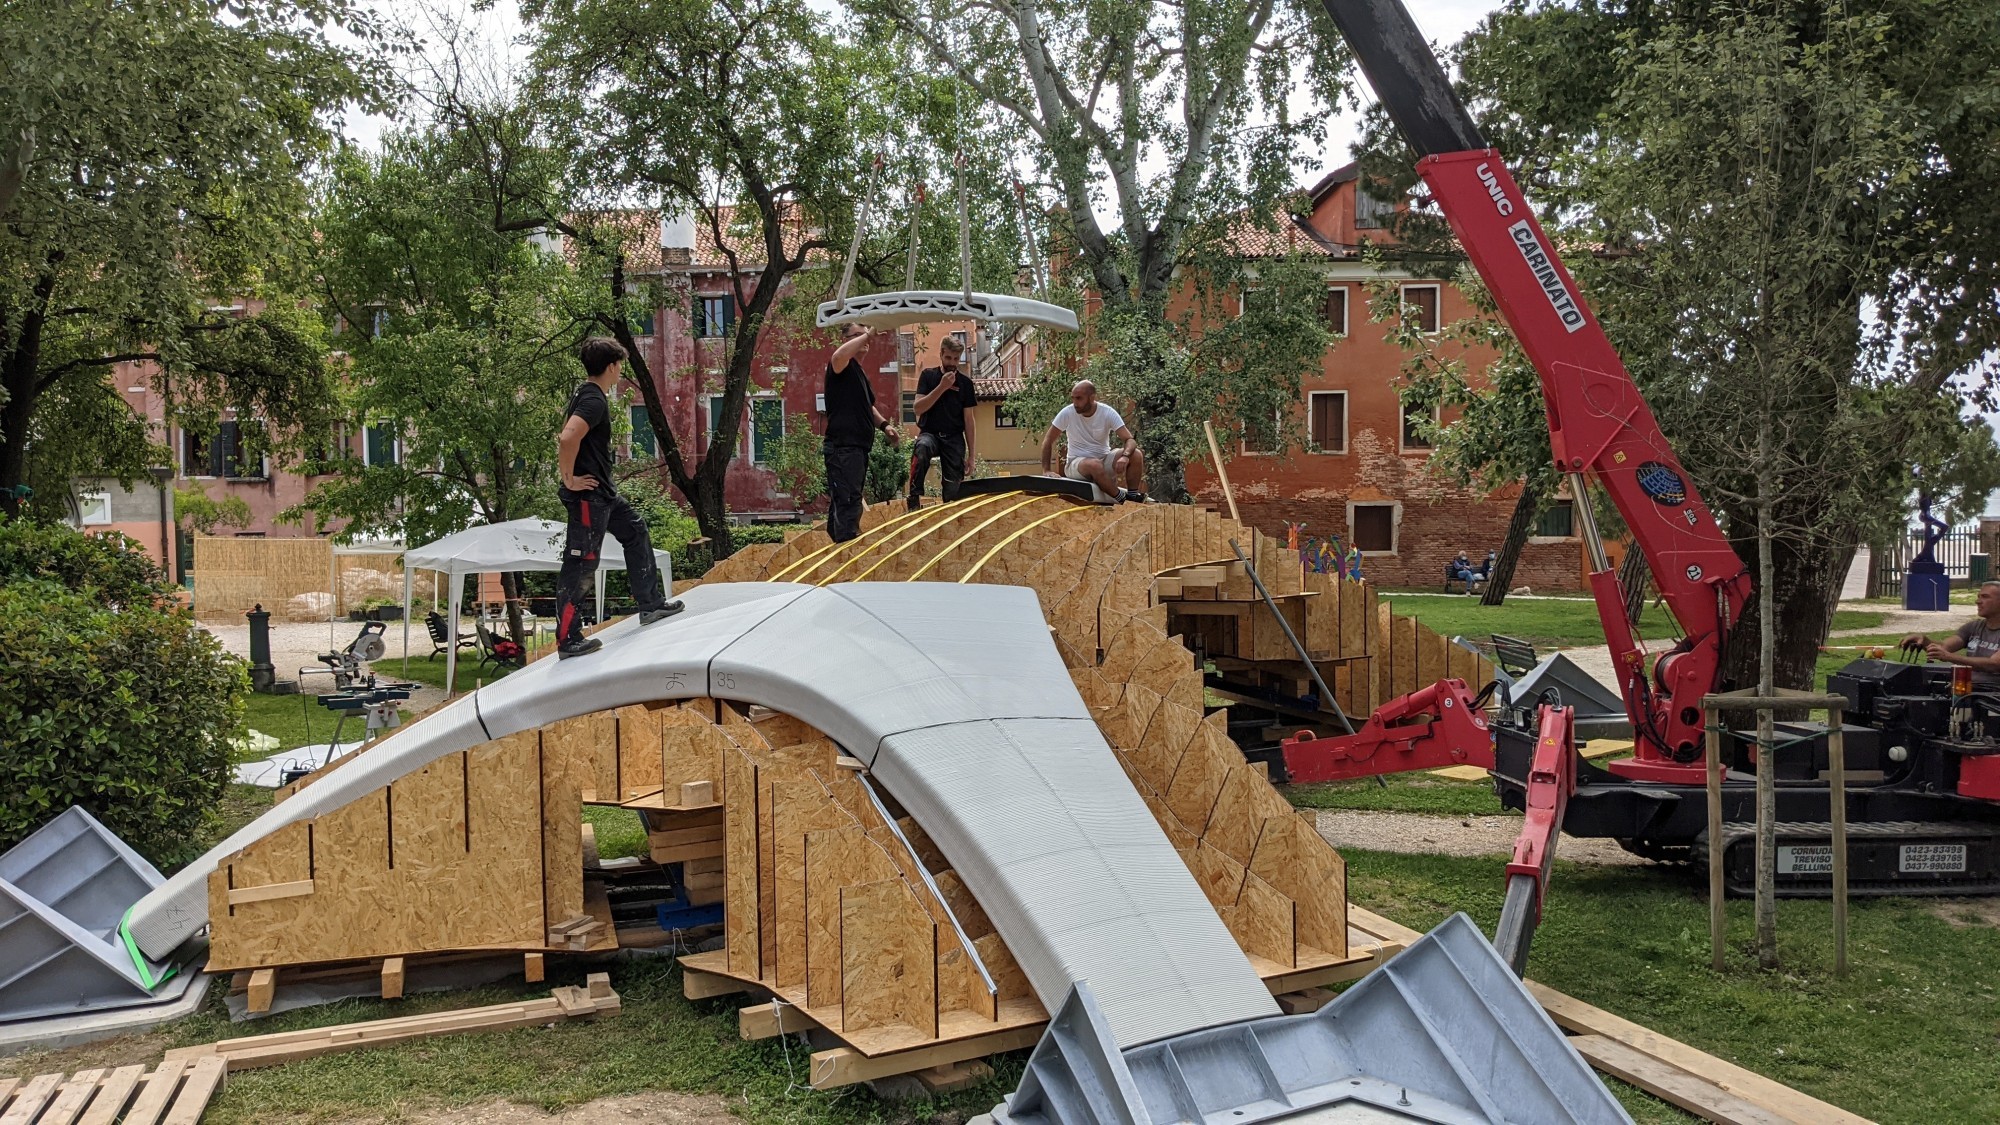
point(407, 582)
point(451, 653)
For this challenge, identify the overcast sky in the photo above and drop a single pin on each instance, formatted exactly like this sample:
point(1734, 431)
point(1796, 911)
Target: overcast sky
point(1443, 21)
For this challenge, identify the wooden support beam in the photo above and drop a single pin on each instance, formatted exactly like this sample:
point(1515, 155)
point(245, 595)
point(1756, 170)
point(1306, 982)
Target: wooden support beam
point(288, 1046)
point(70, 1100)
point(697, 793)
point(1672, 1084)
point(262, 983)
point(844, 1066)
point(392, 978)
point(112, 1095)
point(50, 1092)
point(697, 985)
point(202, 1083)
point(1576, 1016)
point(533, 967)
point(768, 1021)
point(158, 1091)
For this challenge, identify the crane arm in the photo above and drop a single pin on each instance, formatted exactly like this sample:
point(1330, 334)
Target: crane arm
point(1600, 427)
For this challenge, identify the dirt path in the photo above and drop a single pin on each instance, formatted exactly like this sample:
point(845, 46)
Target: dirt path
point(1420, 834)
point(655, 1108)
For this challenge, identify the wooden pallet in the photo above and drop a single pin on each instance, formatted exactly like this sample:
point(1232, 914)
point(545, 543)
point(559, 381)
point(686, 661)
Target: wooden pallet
point(869, 1055)
point(595, 998)
point(176, 1092)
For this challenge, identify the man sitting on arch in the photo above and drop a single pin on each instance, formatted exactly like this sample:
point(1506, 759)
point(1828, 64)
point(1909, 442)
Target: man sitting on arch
point(1088, 426)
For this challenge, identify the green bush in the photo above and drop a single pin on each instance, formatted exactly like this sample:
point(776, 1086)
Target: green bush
point(888, 471)
point(114, 568)
point(110, 698)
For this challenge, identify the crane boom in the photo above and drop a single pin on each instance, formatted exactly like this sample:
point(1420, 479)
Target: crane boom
point(1600, 427)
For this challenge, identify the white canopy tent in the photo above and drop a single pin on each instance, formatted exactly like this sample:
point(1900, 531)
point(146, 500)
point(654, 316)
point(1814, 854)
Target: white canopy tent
point(530, 544)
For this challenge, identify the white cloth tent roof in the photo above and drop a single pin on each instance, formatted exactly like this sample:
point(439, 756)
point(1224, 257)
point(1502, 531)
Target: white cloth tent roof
point(529, 544)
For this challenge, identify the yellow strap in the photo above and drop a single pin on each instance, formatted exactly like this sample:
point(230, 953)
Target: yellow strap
point(813, 561)
point(1026, 528)
point(957, 510)
point(989, 521)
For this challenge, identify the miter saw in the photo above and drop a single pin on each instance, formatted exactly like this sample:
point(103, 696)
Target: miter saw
point(355, 691)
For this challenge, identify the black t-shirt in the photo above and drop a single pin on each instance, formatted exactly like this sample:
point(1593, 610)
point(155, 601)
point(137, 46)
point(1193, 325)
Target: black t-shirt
point(947, 416)
point(850, 407)
point(593, 457)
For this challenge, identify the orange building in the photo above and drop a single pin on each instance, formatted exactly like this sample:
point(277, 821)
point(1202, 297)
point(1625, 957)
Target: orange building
point(1361, 479)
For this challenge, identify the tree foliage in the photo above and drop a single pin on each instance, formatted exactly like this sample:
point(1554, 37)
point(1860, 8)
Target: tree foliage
point(111, 697)
point(460, 338)
point(743, 114)
point(139, 185)
point(1774, 205)
point(1169, 136)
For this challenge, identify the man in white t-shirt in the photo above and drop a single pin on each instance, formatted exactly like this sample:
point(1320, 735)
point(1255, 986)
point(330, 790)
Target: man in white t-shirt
point(1088, 428)
point(1976, 644)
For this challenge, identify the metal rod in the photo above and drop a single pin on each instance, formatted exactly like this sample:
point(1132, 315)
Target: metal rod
point(916, 861)
point(1717, 922)
point(1836, 768)
point(1593, 541)
point(1325, 693)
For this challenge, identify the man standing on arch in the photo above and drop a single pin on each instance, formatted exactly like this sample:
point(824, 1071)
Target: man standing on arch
point(851, 422)
point(945, 402)
point(591, 500)
point(1088, 427)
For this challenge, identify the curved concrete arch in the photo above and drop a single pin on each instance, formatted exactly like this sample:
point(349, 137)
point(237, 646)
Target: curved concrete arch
point(957, 699)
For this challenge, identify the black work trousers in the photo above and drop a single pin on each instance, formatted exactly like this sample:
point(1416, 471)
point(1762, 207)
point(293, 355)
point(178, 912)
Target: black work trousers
point(846, 470)
point(591, 515)
point(949, 451)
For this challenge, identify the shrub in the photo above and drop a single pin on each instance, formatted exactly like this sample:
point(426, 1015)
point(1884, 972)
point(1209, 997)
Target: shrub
point(116, 703)
point(112, 567)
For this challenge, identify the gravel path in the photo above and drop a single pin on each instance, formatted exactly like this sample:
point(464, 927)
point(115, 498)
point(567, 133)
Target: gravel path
point(1422, 834)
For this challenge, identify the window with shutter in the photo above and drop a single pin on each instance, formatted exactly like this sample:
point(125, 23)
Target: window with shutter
point(767, 425)
point(1373, 527)
point(1328, 420)
point(1336, 310)
point(644, 443)
point(1421, 302)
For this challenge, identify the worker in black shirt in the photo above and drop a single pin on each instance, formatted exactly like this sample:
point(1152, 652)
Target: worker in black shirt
point(851, 422)
point(583, 455)
point(945, 402)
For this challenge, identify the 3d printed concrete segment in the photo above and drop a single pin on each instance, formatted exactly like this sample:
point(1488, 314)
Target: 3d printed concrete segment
point(959, 701)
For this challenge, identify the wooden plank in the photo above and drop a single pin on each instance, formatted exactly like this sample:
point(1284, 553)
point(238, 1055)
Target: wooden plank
point(1575, 1015)
point(262, 983)
point(1697, 1095)
point(888, 959)
point(392, 978)
point(767, 1021)
point(699, 985)
point(240, 895)
point(112, 1095)
point(1375, 925)
point(158, 1091)
point(202, 1083)
point(1293, 858)
point(697, 793)
point(71, 1098)
point(7, 1086)
point(533, 967)
point(741, 925)
point(844, 1066)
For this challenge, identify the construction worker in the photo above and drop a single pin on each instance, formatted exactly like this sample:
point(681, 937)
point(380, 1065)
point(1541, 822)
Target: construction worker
point(592, 503)
point(946, 400)
point(1975, 644)
point(851, 422)
point(1087, 427)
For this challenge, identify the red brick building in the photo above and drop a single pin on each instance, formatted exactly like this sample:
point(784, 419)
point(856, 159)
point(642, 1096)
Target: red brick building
point(1362, 478)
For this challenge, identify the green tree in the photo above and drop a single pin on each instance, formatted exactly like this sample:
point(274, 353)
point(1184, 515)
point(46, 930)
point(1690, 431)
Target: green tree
point(199, 513)
point(111, 697)
point(1177, 122)
point(745, 115)
point(140, 184)
point(460, 338)
point(1785, 256)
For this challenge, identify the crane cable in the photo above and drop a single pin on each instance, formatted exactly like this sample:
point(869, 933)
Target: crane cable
point(867, 201)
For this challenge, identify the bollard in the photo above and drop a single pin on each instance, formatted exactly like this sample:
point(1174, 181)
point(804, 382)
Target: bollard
point(263, 677)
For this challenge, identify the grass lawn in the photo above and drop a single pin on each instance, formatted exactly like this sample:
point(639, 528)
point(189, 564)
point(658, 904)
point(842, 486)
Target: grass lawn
point(1552, 622)
point(1418, 792)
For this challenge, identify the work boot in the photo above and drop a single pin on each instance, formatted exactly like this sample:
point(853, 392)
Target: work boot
point(582, 646)
point(1134, 496)
point(647, 617)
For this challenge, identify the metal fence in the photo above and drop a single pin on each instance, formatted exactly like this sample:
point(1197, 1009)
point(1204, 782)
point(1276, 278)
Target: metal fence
point(1955, 550)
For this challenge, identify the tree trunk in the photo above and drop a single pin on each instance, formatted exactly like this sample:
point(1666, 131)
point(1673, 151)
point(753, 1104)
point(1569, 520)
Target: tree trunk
point(1804, 587)
point(1518, 526)
point(17, 376)
point(1632, 577)
point(711, 513)
point(1767, 653)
